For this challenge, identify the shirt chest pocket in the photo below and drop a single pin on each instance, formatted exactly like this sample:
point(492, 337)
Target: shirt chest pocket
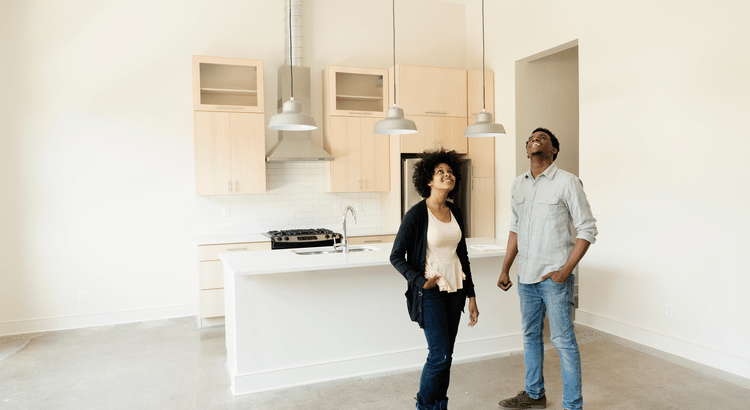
point(550, 208)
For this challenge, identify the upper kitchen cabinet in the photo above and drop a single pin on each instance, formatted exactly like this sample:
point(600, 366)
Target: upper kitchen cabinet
point(432, 91)
point(362, 158)
point(227, 84)
point(358, 92)
point(435, 133)
point(229, 153)
point(475, 93)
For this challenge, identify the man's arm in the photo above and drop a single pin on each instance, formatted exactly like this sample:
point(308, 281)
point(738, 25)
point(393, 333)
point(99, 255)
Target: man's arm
point(511, 251)
point(560, 276)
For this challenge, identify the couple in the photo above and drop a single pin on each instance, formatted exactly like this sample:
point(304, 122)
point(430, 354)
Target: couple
point(430, 252)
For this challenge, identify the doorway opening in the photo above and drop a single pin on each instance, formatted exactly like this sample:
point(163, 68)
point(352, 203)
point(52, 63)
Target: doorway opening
point(547, 96)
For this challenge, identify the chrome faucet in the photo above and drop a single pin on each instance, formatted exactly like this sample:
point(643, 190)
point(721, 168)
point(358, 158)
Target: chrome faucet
point(345, 241)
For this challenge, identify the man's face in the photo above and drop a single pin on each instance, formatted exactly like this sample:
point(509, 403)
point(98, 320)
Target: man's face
point(540, 143)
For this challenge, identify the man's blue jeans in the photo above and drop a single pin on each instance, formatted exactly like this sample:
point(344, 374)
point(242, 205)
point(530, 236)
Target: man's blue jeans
point(556, 300)
point(442, 313)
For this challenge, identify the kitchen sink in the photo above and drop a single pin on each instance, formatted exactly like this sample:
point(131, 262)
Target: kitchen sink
point(329, 250)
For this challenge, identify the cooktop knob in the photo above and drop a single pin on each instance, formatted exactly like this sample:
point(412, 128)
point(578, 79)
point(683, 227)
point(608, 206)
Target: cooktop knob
point(286, 238)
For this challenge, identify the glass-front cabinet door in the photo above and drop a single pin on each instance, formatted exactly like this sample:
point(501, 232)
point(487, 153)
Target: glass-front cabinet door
point(227, 84)
point(357, 92)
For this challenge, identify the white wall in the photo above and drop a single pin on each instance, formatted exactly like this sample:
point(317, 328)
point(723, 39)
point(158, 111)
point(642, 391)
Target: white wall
point(96, 153)
point(664, 95)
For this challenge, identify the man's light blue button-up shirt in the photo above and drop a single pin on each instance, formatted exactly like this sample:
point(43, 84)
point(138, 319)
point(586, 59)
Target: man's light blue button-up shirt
point(546, 214)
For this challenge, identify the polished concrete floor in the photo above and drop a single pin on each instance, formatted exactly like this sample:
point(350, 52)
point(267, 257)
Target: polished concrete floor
point(172, 364)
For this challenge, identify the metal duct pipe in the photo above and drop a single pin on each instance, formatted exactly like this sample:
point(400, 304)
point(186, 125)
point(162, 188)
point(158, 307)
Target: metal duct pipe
point(296, 6)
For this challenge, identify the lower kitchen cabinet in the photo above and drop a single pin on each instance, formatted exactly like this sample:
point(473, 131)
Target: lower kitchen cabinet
point(211, 278)
point(369, 240)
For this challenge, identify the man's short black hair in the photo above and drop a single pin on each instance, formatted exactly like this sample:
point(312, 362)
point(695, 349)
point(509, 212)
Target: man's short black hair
point(424, 170)
point(555, 142)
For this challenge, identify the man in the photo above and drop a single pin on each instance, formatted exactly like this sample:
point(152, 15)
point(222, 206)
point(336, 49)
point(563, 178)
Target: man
point(547, 203)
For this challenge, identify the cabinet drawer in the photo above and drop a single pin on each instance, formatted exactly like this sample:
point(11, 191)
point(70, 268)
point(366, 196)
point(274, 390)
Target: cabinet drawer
point(212, 303)
point(211, 252)
point(366, 240)
point(211, 274)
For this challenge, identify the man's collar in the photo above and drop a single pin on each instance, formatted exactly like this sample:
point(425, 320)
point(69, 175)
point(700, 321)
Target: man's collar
point(549, 172)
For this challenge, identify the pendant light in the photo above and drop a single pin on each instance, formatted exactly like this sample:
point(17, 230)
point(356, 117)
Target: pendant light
point(291, 117)
point(484, 127)
point(394, 122)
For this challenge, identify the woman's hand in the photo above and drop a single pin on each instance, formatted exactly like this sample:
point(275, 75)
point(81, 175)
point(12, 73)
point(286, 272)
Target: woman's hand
point(431, 282)
point(473, 312)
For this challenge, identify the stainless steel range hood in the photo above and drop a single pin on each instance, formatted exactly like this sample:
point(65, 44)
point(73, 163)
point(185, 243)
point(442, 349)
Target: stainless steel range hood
point(296, 146)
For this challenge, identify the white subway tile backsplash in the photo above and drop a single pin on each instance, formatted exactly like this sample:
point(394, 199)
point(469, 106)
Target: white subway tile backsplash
point(294, 199)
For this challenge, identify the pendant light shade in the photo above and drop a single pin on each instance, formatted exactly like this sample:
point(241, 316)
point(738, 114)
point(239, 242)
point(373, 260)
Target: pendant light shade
point(394, 122)
point(291, 118)
point(484, 126)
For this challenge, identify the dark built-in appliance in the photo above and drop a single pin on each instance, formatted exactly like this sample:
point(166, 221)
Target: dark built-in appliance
point(302, 238)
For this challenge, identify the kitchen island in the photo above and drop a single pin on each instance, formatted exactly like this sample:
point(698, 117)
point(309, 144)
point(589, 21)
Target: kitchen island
point(299, 319)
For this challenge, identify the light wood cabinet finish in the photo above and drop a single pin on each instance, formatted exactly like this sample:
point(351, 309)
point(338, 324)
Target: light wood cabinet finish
point(483, 207)
point(482, 154)
point(433, 91)
point(481, 150)
point(362, 158)
point(474, 90)
point(229, 153)
point(369, 240)
point(434, 133)
point(354, 91)
point(211, 276)
point(227, 84)
point(211, 303)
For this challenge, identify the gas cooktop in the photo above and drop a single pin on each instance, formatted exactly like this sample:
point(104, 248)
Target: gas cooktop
point(310, 237)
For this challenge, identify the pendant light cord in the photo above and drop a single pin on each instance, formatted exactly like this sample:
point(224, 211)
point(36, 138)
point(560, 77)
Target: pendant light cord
point(394, 52)
point(291, 62)
point(484, 87)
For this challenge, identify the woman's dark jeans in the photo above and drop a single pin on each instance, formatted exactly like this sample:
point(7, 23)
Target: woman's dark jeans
point(441, 313)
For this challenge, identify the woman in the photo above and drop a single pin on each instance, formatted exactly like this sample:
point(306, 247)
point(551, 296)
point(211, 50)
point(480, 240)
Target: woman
point(430, 252)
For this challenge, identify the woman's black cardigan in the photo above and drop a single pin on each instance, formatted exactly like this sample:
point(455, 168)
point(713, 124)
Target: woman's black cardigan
point(410, 251)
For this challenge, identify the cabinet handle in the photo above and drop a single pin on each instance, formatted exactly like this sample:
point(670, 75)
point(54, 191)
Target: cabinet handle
point(236, 249)
point(374, 241)
point(229, 185)
point(365, 185)
point(359, 185)
point(236, 186)
point(437, 112)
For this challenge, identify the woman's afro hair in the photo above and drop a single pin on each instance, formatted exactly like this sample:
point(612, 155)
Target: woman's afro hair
point(425, 168)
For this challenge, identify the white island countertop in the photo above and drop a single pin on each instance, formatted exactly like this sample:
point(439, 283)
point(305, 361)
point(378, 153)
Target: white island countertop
point(300, 319)
point(285, 260)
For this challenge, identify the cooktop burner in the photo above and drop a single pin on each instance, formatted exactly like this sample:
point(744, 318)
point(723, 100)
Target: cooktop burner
point(298, 232)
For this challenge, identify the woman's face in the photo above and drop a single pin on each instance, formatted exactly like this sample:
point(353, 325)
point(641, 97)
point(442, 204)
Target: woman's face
point(442, 178)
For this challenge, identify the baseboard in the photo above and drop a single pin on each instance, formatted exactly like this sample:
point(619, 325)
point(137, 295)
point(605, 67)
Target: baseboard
point(370, 366)
point(96, 319)
point(724, 361)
